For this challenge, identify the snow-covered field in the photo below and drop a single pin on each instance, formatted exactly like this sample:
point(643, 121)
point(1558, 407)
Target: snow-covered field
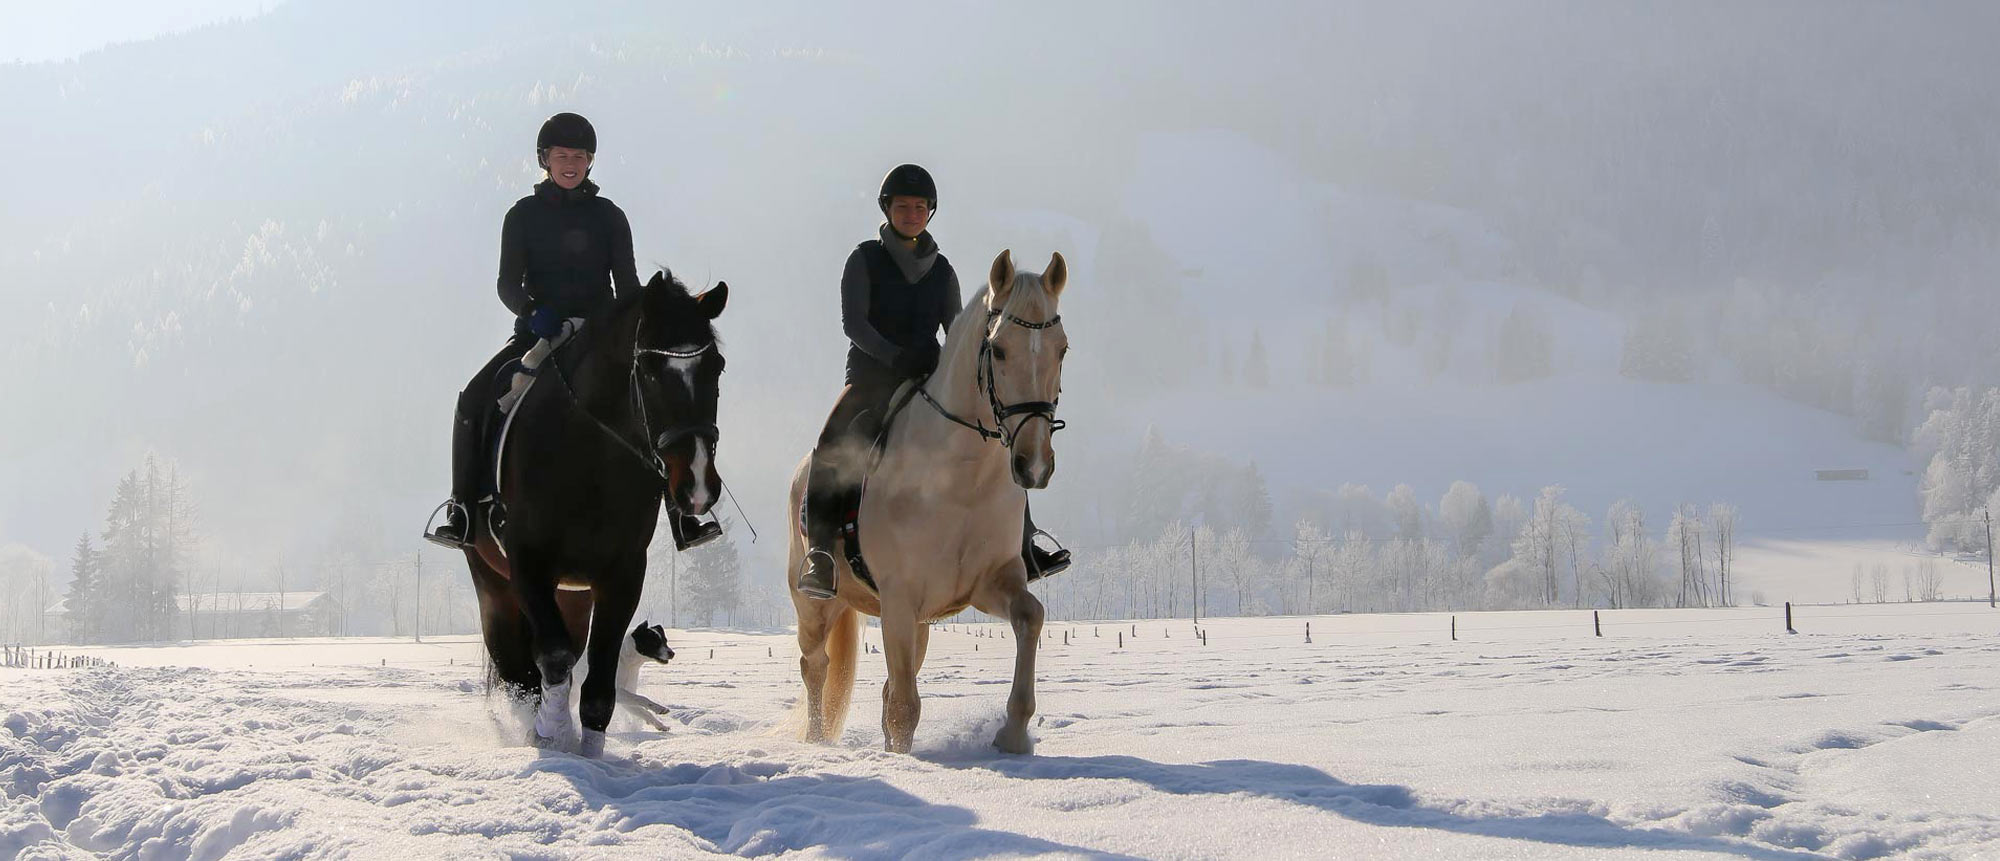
point(1699, 733)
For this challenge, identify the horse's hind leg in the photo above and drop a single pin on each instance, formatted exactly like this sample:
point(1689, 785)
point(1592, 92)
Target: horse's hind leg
point(1006, 595)
point(509, 643)
point(615, 596)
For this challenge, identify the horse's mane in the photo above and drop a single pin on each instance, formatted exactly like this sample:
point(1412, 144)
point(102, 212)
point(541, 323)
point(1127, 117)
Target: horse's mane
point(603, 319)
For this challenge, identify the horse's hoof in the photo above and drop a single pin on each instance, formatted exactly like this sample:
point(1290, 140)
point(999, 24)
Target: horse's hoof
point(1014, 740)
point(591, 746)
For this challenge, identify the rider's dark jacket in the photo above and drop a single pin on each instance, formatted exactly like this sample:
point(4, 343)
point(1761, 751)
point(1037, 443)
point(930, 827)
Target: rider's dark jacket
point(892, 298)
point(565, 249)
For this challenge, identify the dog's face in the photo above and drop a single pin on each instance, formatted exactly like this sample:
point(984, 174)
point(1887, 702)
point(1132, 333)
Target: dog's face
point(651, 641)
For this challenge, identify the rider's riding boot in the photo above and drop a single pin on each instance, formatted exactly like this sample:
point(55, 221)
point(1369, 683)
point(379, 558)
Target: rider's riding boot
point(456, 531)
point(690, 531)
point(822, 504)
point(1042, 563)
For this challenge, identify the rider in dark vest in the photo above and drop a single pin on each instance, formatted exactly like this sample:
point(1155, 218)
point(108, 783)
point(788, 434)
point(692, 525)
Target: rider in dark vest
point(896, 295)
point(564, 252)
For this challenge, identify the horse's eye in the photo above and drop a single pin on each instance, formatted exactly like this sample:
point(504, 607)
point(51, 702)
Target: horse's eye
point(999, 352)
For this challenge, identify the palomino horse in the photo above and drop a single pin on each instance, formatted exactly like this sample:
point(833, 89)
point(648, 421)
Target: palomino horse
point(621, 414)
point(940, 524)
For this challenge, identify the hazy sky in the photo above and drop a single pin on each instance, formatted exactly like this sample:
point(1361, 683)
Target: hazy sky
point(277, 281)
point(40, 32)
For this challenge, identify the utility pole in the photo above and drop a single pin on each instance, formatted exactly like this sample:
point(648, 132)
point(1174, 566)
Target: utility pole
point(1990, 592)
point(420, 596)
point(1194, 578)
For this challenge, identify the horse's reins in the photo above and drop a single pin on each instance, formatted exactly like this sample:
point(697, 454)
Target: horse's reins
point(651, 458)
point(665, 438)
point(1045, 410)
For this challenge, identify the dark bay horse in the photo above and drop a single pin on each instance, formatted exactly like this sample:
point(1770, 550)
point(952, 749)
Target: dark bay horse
point(621, 414)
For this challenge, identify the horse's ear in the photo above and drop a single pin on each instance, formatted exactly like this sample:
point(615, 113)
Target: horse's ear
point(711, 300)
point(659, 279)
point(1001, 279)
point(1056, 275)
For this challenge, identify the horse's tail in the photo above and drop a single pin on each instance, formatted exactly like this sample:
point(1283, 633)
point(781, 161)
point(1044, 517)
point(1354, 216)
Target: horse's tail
point(843, 636)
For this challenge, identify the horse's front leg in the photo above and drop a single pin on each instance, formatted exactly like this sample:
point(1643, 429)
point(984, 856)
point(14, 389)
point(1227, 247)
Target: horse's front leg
point(904, 639)
point(614, 596)
point(555, 652)
point(1006, 595)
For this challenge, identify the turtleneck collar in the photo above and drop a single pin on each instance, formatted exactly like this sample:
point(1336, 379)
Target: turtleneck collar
point(549, 191)
point(915, 261)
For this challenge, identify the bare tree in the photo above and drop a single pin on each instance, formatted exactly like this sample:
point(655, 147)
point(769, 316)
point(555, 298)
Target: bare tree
point(1930, 584)
point(1722, 516)
point(1879, 578)
point(1685, 532)
point(1575, 528)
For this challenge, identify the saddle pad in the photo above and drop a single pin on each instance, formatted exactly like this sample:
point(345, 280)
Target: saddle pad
point(850, 526)
point(523, 380)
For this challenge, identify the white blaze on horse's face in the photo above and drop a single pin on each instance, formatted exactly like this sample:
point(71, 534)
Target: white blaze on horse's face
point(703, 494)
point(683, 368)
point(1027, 362)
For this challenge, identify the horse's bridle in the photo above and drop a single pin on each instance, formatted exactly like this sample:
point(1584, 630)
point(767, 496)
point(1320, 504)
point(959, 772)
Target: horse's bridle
point(1045, 410)
point(661, 441)
point(656, 442)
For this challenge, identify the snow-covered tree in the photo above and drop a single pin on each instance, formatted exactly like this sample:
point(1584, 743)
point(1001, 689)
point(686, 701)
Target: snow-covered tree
point(1631, 565)
point(1685, 537)
point(1466, 518)
point(1405, 512)
point(1509, 515)
point(1538, 547)
point(24, 595)
point(1347, 572)
point(1357, 510)
point(147, 535)
point(1310, 552)
point(1722, 519)
point(84, 607)
point(713, 576)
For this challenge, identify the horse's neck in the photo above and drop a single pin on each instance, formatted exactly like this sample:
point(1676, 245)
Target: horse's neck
point(603, 368)
point(955, 387)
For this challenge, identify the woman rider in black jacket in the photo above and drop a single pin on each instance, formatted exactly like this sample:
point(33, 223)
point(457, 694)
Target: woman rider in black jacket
point(564, 252)
point(896, 294)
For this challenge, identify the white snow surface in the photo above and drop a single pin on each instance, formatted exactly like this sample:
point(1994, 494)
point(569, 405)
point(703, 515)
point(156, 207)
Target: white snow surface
point(1680, 733)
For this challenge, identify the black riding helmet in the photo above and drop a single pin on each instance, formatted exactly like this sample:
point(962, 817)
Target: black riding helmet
point(566, 129)
point(907, 179)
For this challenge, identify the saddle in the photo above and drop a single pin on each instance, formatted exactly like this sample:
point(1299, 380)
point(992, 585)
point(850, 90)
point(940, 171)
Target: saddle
point(850, 519)
point(517, 377)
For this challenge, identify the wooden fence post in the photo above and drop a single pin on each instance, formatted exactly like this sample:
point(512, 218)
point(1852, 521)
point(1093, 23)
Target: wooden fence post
point(1596, 624)
point(1788, 619)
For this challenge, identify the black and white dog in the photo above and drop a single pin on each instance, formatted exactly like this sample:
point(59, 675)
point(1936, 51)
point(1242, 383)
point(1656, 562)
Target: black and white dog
point(647, 643)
